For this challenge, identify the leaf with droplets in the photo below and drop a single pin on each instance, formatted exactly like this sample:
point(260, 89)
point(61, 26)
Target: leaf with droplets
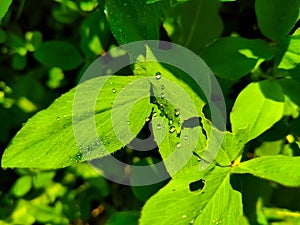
point(195, 197)
point(47, 140)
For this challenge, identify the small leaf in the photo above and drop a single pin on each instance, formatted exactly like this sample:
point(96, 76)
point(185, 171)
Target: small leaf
point(124, 217)
point(22, 186)
point(94, 34)
point(234, 57)
point(291, 57)
point(58, 54)
point(259, 106)
point(4, 5)
point(276, 18)
point(281, 169)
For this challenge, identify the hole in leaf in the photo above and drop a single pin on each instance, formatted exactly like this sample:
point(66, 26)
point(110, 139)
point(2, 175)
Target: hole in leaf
point(197, 185)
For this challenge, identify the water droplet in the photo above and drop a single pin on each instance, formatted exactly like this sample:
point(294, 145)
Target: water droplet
point(58, 118)
point(79, 156)
point(161, 107)
point(98, 142)
point(158, 76)
point(192, 221)
point(172, 129)
point(147, 119)
point(183, 216)
point(64, 116)
point(128, 123)
point(162, 87)
point(170, 121)
point(177, 112)
point(158, 126)
point(162, 95)
point(80, 147)
point(114, 90)
point(178, 145)
point(110, 83)
point(186, 137)
point(154, 114)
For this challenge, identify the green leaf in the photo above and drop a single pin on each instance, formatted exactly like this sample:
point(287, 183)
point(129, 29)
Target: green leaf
point(231, 147)
point(259, 106)
point(125, 217)
point(47, 139)
point(132, 20)
point(58, 54)
point(22, 186)
point(206, 25)
point(94, 34)
point(291, 89)
point(4, 5)
point(276, 18)
point(184, 201)
point(281, 169)
point(234, 57)
point(291, 57)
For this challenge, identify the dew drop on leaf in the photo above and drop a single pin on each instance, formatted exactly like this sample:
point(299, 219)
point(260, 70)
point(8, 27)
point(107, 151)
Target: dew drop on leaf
point(114, 90)
point(158, 126)
point(158, 76)
point(170, 121)
point(128, 123)
point(177, 112)
point(183, 216)
point(186, 137)
point(162, 87)
point(162, 95)
point(172, 129)
point(178, 145)
point(58, 118)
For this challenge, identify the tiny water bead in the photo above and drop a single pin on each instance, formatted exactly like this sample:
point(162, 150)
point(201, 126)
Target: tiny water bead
point(158, 126)
point(172, 129)
point(128, 123)
point(177, 112)
point(186, 137)
point(178, 145)
point(79, 156)
point(162, 87)
point(183, 216)
point(114, 90)
point(170, 122)
point(158, 76)
point(58, 118)
point(162, 95)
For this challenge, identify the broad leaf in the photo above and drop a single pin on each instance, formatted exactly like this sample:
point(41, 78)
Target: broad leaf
point(132, 20)
point(276, 18)
point(281, 169)
point(58, 54)
point(206, 26)
point(4, 5)
point(259, 106)
point(195, 197)
point(47, 140)
point(234, 57)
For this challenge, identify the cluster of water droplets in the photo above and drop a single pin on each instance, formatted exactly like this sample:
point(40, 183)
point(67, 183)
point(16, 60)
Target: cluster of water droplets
point(85, 152)
point(173, 117)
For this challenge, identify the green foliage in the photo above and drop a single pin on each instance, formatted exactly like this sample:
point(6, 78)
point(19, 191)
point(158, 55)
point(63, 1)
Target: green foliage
point(247, 174)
